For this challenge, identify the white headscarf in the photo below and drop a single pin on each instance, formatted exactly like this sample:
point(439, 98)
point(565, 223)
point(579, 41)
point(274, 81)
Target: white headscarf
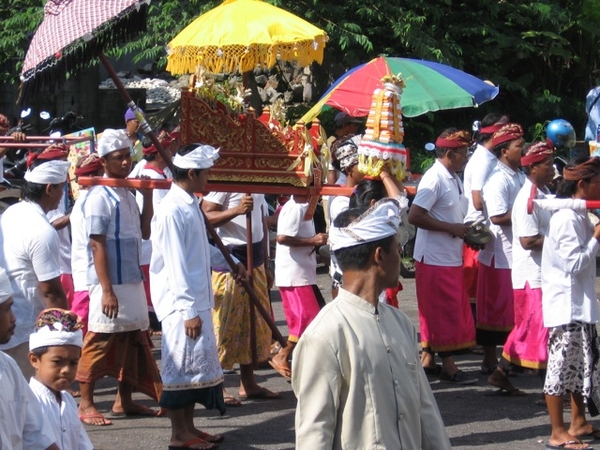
point(50, 172)
point(6, 291)
point(202, 157)
point(379, 221)
point(112, 140)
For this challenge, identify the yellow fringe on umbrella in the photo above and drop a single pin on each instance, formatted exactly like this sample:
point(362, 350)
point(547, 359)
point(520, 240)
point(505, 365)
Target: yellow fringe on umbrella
point(232, 58)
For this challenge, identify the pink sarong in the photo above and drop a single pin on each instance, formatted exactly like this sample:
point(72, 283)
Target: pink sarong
point(471, 269)
point(445, 318)
point(81, 307)
point(300, 307)
point(527, 343)
point(66, 279)
point(495, 301)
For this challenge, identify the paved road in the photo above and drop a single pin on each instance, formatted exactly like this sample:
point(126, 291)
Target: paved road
point(475, 416)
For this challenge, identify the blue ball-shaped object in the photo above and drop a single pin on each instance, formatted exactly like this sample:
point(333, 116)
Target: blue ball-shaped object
point(561, 133)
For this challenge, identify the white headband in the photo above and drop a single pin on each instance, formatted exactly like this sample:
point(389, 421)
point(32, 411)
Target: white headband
point(50, 172)
point(112, 140)
point(46, 337)
point(6, 291)
point(378, 222)
point(202, 157)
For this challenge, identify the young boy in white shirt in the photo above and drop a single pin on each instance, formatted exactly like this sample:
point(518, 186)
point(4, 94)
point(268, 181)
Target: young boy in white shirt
point(54, 351)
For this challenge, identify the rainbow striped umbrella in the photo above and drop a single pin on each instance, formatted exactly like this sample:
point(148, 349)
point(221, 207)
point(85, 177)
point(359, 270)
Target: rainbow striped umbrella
point(430, 86)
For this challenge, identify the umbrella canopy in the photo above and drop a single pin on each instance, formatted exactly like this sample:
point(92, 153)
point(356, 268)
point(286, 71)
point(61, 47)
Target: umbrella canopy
point(73, 33)
point(239, 34)
point(430, 86)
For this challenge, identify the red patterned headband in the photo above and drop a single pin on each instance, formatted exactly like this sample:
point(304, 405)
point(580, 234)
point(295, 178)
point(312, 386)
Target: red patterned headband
point(491, 129)
point(458, 139)
point(537, 152)
point(506, 133)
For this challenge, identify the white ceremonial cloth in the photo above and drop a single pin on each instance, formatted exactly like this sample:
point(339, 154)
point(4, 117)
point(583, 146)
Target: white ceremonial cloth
point(234, 231)
point(157, 196)
point(499, 193)
point(22, 423)
point(440, 193)
point(359, 383)
point(68, 431)
point(133, 309)
point(29, 251)
point(188, 363)
point(80, 245)
point(295, 266)
point(180, 274)
point(481, 164)
point(526, 264)
point(569, 270)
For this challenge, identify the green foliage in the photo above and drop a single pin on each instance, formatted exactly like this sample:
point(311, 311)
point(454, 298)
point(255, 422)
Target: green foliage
point(18, 19)
point(543, 54)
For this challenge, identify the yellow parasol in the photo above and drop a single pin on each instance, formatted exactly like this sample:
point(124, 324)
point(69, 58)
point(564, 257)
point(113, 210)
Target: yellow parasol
point(240, 34)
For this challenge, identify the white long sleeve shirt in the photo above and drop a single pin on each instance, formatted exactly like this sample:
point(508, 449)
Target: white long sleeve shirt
point(569, 270)
point(180, 268)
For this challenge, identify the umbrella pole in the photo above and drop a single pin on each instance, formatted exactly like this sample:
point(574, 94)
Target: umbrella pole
point(250, 269)
point(131, 104)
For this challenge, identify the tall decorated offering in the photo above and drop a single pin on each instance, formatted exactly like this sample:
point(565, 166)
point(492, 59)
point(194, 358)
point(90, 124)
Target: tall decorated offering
point(381, 145)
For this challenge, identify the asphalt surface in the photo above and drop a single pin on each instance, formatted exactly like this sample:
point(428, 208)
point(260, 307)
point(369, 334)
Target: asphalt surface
point(475, 416)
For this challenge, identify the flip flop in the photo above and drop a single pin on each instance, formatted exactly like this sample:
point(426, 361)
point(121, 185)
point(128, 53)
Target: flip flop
point(212, 438)
point(263, 394)
point(231, 401)
point(188, 444)
point(568, 445)
point(281, 370)
point(84, 417)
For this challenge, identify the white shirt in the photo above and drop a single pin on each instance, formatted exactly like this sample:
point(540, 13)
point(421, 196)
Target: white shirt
point(29, 253)
point(441, 194)
point(234, 231)
point(81, 252)
point(359, 383)
point(526, 265)
point(64, 238)
point(157, 196)
point(113, 212)
point(68, 431)
point(478, 169)
point(569, 270)
point(22, 423)
point(295, 266)
point(180, 268)
point(499, 193)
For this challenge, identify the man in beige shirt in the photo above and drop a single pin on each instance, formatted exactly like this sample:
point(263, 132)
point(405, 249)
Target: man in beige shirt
point(356, 369)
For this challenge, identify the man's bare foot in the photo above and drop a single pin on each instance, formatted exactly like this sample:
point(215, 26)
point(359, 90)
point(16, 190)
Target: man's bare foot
point(134, 409)
point(585, 431)
point(258, 392)
point(91, 416)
